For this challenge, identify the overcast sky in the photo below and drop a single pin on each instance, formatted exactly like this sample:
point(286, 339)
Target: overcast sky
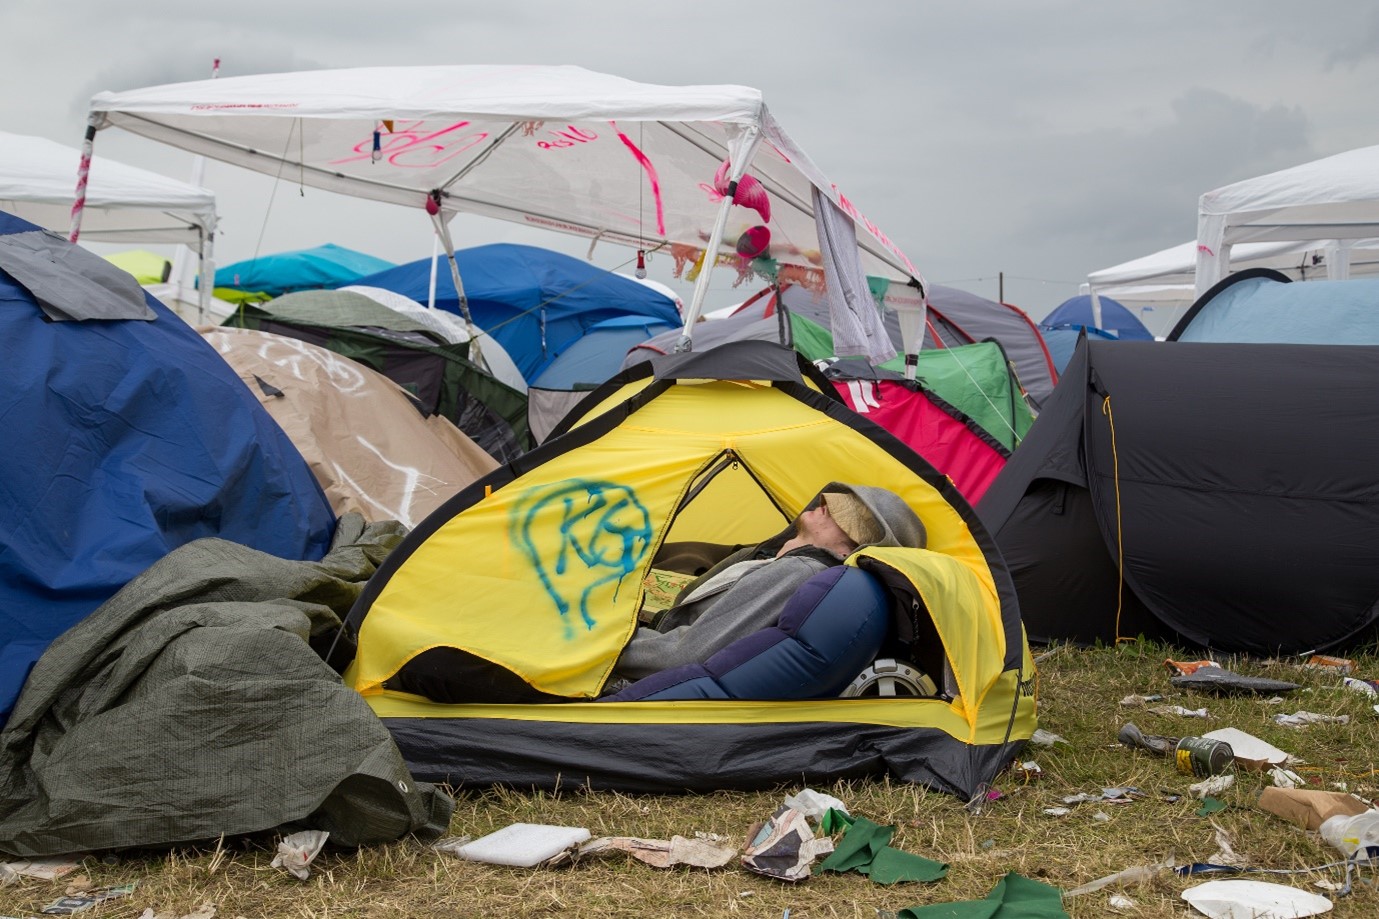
point(1039, 139)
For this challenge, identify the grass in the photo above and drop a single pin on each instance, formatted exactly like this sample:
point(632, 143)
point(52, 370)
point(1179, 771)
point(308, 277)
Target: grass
point(1080, 693)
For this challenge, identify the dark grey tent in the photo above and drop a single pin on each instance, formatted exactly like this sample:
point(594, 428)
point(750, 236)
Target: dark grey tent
point(1233, 485)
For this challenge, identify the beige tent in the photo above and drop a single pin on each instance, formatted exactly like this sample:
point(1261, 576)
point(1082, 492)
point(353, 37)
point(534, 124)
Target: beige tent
point(365, 440)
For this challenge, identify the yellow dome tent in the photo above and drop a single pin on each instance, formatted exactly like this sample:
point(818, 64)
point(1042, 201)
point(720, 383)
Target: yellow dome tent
point(534, 576)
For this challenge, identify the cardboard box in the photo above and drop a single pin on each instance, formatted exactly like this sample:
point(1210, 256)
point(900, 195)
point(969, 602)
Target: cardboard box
point(1308, 808)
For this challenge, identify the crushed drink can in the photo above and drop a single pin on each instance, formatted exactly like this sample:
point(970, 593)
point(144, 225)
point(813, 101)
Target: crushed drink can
point(1202, 756)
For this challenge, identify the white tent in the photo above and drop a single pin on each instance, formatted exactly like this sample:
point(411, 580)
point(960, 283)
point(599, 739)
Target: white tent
point(1335, 198)
point(558, 147)
point(1161, 286)
point(123, 203)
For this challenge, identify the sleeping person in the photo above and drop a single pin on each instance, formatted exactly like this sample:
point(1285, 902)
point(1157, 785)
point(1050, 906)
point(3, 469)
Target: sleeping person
point(746, 592)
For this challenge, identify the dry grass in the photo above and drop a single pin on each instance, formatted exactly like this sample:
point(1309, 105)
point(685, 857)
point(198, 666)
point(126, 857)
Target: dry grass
point(1080, 695)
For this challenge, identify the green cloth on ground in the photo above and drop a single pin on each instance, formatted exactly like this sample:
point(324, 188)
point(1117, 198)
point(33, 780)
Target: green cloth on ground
point(191, 705)
point(1013, 897)
point(834, 821)
point(865, 848)
point(1210, 806)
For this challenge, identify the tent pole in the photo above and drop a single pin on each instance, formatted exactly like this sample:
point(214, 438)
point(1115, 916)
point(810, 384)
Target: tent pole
point(203, 298)
point(435, 259)
point(433, 207)
point(736, 168)
point(179, 255)
point(88, 144)
point(701, 286)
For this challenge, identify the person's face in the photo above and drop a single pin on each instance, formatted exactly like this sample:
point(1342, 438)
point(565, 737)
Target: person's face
point(816, 527)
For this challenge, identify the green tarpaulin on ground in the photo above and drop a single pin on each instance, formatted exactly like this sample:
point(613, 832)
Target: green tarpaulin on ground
point(192, 705)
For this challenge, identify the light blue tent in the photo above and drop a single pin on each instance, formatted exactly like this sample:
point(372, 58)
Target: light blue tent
point(322, 268)
point(129, 436)
point(1262, 305)
point(1077, 312)
point(535, 302)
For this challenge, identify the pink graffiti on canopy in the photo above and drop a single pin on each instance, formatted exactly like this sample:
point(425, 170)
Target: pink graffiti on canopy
point(650, 169)
point(411, 146)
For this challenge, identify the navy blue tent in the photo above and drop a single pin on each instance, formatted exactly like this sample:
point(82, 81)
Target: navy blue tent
point(131, 436)
point(322, 268)
point(1261, 305)
point(535, 302)
point(1076, 312)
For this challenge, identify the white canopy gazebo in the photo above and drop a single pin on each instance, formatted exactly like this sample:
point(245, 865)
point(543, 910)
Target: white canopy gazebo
point(124, 204)
point(556, 147)
point(1335, 198)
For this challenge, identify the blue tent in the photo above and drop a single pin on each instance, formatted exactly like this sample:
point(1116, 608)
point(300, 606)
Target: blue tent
point(1063, 342)
point(1076, 312)
point(1261, 305)
point(535, 302)
point(131, 437)
point(598, 354)
point(324, 267)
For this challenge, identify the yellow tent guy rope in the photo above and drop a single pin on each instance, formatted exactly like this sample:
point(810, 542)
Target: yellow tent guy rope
point(1120, 541)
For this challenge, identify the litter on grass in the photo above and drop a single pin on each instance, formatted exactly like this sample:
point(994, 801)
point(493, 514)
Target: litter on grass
point(79, 902)
point(522, 845)
point(1302, 719)
point(784, 846)
point(45, 869)
point(1309, 808)
point(1254, 900)
point(663, 853)
point(1251, 752)
point(1212, 786)
point(814, 804)
point(1133, 875)
point(1224, 682)
point(297, 851)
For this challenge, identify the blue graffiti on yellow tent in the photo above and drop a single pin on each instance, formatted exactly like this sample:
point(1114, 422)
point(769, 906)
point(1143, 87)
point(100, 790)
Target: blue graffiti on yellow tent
point(601, 531)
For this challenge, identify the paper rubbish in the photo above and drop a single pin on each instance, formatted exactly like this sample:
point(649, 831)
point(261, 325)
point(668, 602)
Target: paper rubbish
point(1254, 900)
point(1309, 808)
point(664, 853)
point(522, 845)
point(297, 851)
point(784, 847)
point(1250, 752)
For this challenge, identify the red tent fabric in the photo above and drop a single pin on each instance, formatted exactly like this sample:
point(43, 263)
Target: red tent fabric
point(931, 430)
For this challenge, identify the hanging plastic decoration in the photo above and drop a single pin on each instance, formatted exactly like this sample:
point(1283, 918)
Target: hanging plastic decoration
point(755, 242)
point(377, 153)
point(640, 273)
point(684, 256)
point(750, 192)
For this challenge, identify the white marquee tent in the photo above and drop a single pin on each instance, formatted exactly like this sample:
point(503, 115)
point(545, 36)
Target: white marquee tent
point(556, 147)
point(1334, 198)
point(123, 203)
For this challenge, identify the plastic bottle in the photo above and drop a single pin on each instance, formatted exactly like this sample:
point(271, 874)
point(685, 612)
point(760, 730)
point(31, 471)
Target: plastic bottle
point(1350, 833)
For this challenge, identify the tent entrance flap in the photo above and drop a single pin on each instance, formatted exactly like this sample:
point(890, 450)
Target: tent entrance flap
point(727, 482)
